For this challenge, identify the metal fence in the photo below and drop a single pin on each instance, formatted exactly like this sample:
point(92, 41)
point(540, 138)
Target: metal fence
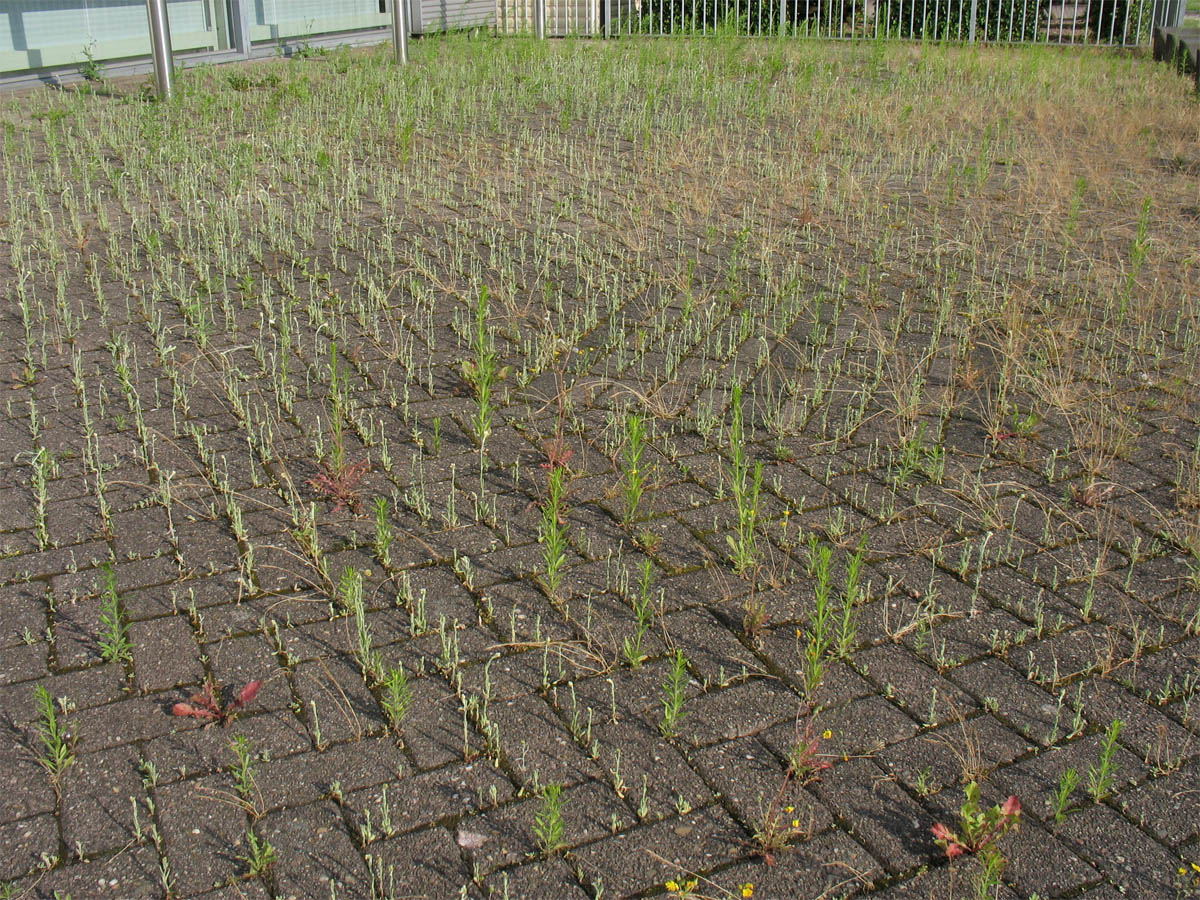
point(1102, 22)
point(37, 36)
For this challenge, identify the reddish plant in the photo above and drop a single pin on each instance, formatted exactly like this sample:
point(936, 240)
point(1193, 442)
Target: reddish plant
point(980, 827)
point(209, 704)
point(558, 454)
point(341, 486)
point(804, 759)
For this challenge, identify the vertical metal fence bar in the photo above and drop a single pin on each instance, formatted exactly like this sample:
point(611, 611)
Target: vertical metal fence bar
point(239, 25)
point(539, 19)
point(400, 30)
point(974, 6)
point(160, 46)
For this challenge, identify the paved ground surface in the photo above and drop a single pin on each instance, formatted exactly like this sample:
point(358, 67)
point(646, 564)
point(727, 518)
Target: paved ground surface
point(195, 295)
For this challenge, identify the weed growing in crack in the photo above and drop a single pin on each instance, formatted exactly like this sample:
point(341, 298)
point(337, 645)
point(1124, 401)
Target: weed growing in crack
point(396, 697)
point(548, 825)
point(635, 475)
point(847, 625)
point(820, 622)
point(318, 742)
point(980, 829)
point(805, 764)
point(114, 638)
point(308, 538)
point(1067, 782)
point(1138, 252)
point(349, 594)
point(674, 695)
point(338, 480)
point(745, 485)
point(778, 825)
point(260, 856)
point(1100, 776)
point(482, 373)
point(57, 744)
point(633, 645)
point(370, 660)
point(552, 531)
point(383, 532)
point(244, 778)
point(43, 467)
point(413, 601)
point(209, 704)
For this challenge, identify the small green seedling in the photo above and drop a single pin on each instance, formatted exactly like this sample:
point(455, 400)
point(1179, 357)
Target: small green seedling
point(553, 530)
point(635, 474)
point(383, 532)
point(674, 695)
point(261, 855)
point(114, 638)
point(1067, 782)
point(1100, 776)
point(746, 485)
point(548, 825)
point(396, 696)
point(57, 753)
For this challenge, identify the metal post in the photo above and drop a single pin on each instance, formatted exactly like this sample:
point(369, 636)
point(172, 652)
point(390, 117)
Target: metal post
point(539, 19)
point(400, 29)
point(160, 45)
point(239, 24)
point(974, 9)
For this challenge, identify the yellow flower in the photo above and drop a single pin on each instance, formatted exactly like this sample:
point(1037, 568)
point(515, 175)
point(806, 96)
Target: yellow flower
point(748, 889)
point(789, 809)
point(795, 823)
point(827, 733)
point(672, 886)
